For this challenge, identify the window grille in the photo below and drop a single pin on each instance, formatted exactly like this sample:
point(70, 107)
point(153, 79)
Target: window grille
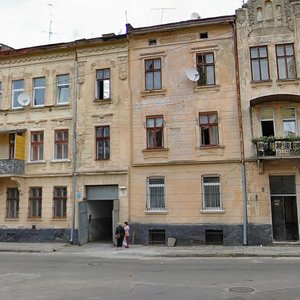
point(157, 237)
point(213, 237)
point(156, 194)
point(211, 193)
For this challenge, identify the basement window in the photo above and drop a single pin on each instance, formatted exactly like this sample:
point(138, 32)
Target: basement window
point(157, 237)
point(213, 237)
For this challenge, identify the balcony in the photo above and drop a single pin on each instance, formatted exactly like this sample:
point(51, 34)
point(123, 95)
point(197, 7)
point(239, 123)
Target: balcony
point(12, 167)
point(271, 147)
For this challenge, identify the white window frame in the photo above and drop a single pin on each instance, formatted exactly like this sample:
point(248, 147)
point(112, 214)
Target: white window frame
point(35, 89)
point(60, 86)
point(15, 93)
point(205, 207)
point(290, 119)
point(273, 119)
point(106, 81)
point(149, 205)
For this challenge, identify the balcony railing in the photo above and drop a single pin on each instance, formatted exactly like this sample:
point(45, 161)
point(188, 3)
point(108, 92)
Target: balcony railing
point(280, 148)
point(12, 167)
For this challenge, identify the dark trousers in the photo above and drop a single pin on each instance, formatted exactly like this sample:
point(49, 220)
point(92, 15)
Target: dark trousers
point(120, 241)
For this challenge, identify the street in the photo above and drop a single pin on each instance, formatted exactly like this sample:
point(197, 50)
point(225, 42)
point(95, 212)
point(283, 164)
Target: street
point(67, 276)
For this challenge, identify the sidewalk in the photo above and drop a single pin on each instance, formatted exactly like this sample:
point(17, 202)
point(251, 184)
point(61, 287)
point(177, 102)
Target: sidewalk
point(140, 252)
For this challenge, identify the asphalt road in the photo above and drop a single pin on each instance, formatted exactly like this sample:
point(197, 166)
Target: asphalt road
point(63, 276)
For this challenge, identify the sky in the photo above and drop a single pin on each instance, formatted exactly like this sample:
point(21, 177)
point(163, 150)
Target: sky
point(26, 23)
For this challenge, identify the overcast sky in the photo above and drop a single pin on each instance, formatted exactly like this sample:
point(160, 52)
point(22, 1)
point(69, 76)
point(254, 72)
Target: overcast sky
point(26, 23)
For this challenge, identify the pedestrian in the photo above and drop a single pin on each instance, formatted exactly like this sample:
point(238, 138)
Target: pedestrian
point(126, 229)
point(119, 234)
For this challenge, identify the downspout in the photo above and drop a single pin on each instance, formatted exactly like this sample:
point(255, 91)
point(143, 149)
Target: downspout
point(242, 149)
point(74, 149)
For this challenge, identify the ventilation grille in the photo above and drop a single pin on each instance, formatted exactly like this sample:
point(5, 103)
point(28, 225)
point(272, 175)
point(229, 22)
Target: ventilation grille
point(157, 237)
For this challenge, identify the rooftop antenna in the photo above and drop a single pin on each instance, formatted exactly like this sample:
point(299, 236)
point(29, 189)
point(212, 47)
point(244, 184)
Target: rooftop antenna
point(50, 32)
point(162, 11)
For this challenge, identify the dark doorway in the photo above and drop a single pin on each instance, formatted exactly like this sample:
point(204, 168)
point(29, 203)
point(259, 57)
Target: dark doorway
point(284, 208)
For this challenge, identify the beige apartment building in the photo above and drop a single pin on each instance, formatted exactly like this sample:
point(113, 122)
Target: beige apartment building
point(268, 48)
point(64, 132)
point(185, 176)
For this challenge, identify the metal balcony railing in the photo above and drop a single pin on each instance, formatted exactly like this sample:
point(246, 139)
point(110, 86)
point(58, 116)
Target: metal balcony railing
point(278, 148)
point(12, 167)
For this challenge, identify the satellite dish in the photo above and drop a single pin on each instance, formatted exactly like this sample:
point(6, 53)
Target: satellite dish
point(23, 99)
point(195, 16)
point(192, 74)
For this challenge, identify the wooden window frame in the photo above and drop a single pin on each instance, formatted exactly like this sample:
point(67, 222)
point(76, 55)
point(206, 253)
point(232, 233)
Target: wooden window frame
point(37, 145)
point(155, 129)
point(286, 56)
point(204, 66)
point(259, 59)
point(64, 143)
point(152, 70)
point(60, 197)
point(35, 199)
point(15, 200)
point(102, 139)
point(209, 125)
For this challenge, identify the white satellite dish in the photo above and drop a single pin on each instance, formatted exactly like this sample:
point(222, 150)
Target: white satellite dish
point(195, 16)
point(192, 74)
point(23, 99)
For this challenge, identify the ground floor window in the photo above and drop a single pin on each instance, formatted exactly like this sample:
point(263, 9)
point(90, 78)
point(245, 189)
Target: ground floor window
point(12, 203)
point(60, 202)
point(155, 193)
point(35, 202)
point(211, 193)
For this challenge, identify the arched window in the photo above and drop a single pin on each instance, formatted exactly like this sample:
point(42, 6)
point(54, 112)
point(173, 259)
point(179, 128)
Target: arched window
point(278, 13)
point(259, 14)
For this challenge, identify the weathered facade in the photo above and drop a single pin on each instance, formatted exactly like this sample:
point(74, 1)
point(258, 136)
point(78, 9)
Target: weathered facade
point(268, 49)
point(64, 143)
point(185, 178)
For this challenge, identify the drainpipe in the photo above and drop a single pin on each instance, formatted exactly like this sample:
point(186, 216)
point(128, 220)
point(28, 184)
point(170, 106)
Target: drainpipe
point(74, 149)
point(242, 149)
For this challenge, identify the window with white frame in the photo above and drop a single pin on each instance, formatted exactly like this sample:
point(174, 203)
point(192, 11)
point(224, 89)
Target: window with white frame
point(289, 121)
point(61, 144)
point(39, 87)
point(211, 193)
point(16, 91)
point(36, 145)
point(103, 84)
point(35, 202)
point(63, 89)
point(60, 202)
point(12, 203)
point(267, 122)
point(156, 194)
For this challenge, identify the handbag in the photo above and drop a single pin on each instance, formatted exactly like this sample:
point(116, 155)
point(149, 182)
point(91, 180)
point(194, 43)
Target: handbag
point(117, 236)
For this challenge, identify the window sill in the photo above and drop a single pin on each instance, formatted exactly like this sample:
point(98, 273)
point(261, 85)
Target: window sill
point(213, 87)
point(212, 211)
point(210, 147)
point(261, 83)
point(161, 92)
point(155, 150)
point(35, 219)
point(103, 101)
point(155, 212)
point(59, 219)
point(12, 219)
point(62, 104)
point(287, 81)
point(55, 161)
point(36, 162)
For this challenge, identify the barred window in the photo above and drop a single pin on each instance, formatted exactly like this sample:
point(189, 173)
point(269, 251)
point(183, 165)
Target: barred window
point(60, 202)
point(211, 191)
point(12, 203)
point(35, 202)
point(156, 193)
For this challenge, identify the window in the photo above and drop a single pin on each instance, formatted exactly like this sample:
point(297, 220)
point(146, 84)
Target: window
point(259, 63)
point(153, 74)
point(61, 144)
point(206, 68)
point(39, 91)
point(286, 64)
point(35, 202)
point(12, 203)
point(63, 89)
point(12, 144)
point(267, 122)
point(17, 89)
point(103, 84)
point(103, 142)
point(211, 190)
point(1, 92)
point(155, 132)
point(37, 146)
point(60, 202)
point(156, 193)
point(209, 128)
point(203, 35)
point(289, 121)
